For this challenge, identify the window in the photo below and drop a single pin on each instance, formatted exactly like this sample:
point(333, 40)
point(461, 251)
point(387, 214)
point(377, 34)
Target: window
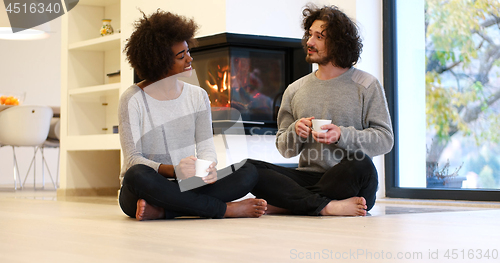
point(442, 75)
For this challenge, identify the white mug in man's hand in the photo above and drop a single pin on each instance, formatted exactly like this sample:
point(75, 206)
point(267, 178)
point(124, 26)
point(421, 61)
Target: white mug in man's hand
point(317, 123)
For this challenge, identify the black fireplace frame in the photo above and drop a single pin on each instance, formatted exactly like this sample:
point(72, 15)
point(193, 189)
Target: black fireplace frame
point(295, 64)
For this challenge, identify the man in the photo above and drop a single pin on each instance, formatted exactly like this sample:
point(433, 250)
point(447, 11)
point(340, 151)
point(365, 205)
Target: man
point(335, 175)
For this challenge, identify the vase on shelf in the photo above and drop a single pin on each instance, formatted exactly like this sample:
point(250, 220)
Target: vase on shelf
point(106, 28)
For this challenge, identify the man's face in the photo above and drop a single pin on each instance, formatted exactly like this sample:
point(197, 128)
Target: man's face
point(316, 44)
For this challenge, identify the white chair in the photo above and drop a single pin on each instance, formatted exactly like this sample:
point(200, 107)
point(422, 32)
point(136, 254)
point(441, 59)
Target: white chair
point(24, 125)
point(52, 141)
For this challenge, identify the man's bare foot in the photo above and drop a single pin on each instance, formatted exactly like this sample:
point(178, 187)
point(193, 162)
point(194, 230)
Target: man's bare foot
point(354, 206)
point(247, 208)
point(146, 211)
point(274, 210)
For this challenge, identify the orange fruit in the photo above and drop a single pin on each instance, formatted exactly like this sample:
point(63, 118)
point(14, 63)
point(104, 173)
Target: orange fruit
point(11, 100)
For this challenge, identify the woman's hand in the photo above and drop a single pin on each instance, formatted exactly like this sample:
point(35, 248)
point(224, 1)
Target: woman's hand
point(212, 174)
point(186, 168)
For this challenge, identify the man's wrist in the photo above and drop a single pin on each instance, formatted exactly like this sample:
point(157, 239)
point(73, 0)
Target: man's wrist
point(338, 140)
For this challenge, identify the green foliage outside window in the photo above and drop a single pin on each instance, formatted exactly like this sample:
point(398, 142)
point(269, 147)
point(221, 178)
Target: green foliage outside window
point(462, 74)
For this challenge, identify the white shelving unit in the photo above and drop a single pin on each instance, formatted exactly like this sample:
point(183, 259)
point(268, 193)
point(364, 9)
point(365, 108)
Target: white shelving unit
point(90, 151)
point(105, 43)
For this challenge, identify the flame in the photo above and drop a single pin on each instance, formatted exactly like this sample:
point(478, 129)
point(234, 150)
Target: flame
point(225, 81)
point(219, 91)
point(214, 87)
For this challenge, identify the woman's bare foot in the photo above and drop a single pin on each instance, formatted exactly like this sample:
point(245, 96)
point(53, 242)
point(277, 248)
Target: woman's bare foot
point(246, 208)
point(354, 206)
point(146, 211)
point(274, 210)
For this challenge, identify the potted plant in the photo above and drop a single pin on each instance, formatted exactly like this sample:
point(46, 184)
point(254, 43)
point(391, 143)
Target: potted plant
point(441, 177)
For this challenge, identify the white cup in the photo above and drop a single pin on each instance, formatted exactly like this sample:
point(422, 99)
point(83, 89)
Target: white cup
point(201, 167)
point(317, 123)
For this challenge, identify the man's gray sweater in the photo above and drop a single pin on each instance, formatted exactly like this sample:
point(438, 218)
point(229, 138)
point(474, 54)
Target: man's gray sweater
point(355, 101)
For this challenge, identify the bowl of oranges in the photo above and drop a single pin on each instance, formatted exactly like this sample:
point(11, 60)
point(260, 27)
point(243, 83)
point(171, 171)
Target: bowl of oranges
point(11, 99)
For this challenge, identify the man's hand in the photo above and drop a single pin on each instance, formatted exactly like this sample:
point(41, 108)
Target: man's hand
point(331, 136)
point(212, 174)
point(186, 168)
point(303, 127)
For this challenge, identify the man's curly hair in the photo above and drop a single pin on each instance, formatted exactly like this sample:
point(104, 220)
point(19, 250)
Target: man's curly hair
point(343, 42)
point(149, 48)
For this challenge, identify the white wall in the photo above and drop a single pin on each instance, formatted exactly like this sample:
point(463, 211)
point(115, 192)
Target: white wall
point(280, 18)
point(208, 14)
point(33, 67)
point(369, 19)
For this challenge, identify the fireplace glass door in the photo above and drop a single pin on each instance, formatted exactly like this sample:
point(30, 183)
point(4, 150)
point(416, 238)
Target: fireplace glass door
point(246, 79)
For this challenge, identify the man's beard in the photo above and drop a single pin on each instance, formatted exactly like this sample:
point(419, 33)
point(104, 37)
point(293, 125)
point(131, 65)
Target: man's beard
point(321, 60)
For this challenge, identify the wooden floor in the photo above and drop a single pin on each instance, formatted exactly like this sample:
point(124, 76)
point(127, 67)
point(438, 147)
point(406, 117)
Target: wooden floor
point(36, 227)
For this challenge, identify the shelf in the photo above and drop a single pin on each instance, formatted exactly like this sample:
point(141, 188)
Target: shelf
point(93, 142)
point(108, 88)
point(98, 44)
point(90, 152)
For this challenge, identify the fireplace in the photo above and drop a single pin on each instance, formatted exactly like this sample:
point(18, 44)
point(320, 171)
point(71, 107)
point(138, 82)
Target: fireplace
point(247, 73)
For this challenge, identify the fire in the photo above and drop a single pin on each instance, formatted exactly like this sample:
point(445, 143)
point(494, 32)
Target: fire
point(225, 81)
point(219, 87)
point(214, 87)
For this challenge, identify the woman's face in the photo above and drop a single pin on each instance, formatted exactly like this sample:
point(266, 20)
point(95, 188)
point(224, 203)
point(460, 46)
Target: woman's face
point(182, 59)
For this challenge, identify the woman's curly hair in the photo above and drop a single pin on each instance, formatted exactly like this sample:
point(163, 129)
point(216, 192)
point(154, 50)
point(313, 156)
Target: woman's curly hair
point(149, 48)
point(342, 38)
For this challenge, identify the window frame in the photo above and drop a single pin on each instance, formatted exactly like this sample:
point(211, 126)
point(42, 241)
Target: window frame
point(392, 189)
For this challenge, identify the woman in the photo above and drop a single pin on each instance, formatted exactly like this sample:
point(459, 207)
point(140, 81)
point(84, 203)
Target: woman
point(163, 122)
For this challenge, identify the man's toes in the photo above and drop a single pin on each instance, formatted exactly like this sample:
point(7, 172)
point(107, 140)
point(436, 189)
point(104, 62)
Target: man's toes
point(362, 212)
